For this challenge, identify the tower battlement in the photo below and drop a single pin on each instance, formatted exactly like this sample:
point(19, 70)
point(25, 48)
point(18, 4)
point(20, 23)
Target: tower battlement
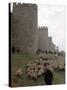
point(24, 4)
point(43, 28)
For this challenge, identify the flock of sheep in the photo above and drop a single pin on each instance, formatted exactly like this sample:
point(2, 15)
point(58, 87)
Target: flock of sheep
point(34, 69)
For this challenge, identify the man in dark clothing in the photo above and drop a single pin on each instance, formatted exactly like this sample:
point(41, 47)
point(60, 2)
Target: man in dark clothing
point(48, 75)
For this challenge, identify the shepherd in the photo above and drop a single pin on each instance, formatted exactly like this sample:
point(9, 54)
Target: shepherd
point(48, 75)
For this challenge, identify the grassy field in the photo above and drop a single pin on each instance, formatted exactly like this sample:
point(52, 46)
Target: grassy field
point(20, 61)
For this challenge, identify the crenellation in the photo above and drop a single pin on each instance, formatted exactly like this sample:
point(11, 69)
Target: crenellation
point(24, 5)
point(43, 28)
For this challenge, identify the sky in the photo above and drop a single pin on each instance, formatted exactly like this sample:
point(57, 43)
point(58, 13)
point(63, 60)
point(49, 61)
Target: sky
point(53, 16)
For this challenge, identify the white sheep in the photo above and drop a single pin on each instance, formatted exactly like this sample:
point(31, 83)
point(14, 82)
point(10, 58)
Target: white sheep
point(28, 74)
point(51, 69)
point(18, 73)
point(39, 73)
point(41, 70)
point(28, 65)
point(33, 76)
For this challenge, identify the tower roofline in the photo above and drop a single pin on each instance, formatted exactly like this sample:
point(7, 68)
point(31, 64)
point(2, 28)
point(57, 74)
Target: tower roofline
point(23, 4)
point(43, 28)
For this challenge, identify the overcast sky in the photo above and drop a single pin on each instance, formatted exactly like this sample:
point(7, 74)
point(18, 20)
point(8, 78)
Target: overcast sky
point(53, 17)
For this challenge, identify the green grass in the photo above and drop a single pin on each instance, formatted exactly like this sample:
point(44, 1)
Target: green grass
point(59, 77)
point(20, 61)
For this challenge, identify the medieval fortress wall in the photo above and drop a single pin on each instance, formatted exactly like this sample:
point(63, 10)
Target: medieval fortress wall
point(43, 38)
point(25, 34)
point(24, 27)
point(44, 42)
point(51, 46)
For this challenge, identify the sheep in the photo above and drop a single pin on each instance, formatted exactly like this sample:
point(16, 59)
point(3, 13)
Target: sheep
point(51, 62)
point(28, 74)
point(18, 73)
point(33, 76)
point(39, 73)
point(34, 65)
point(39, 67)
point(28, 65)
point(51, 69)
point(41, 61)
point(28, 69)
point(36, 70)
point(36, 61)
point(44, 62)
point(41, 70)
point(61, 68)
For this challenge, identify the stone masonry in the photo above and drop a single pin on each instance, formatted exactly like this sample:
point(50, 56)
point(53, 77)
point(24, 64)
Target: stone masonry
point(24, 27)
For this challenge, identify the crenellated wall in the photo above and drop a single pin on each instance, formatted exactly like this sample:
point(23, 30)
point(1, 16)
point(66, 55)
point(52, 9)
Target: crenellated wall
point(25, 34)
point(44, 42)
point(43, 38)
